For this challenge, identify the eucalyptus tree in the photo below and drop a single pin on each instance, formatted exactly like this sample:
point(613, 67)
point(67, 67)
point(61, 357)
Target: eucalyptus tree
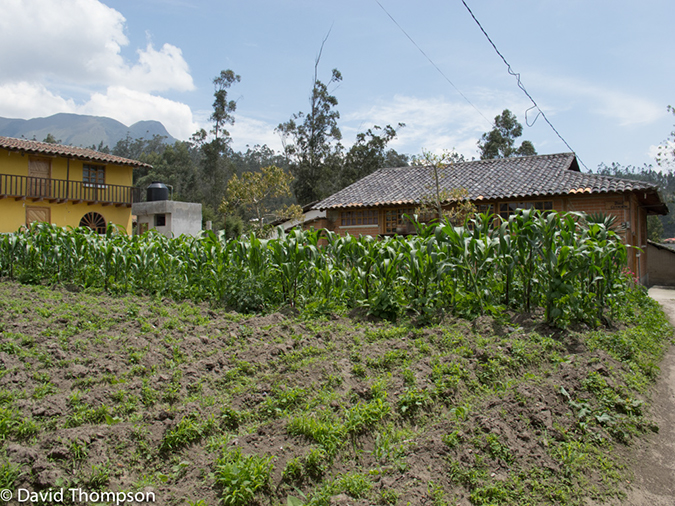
point(312, 140)
point(215, 164)
point(500, 141)
point(368, 154)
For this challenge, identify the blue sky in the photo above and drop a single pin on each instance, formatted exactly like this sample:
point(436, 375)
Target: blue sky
point(602, 71)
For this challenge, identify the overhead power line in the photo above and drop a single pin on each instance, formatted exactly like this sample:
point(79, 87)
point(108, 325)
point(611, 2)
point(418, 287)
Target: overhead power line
point(522, 87)
point(433, 64)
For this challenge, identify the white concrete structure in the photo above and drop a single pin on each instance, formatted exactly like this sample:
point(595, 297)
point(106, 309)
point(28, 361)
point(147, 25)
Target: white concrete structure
point(168, 217)
point(308, 216)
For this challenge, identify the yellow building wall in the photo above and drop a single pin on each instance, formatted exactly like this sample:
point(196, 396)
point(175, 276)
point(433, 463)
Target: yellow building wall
point(16, 164)
point(13, 163)
point(13, 212)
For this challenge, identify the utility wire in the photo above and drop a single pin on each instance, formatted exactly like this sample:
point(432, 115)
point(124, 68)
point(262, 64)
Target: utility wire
point(520, 85)
point(433, 64)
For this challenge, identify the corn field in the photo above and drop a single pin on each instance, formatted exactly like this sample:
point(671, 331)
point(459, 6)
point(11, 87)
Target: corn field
point(571, 269)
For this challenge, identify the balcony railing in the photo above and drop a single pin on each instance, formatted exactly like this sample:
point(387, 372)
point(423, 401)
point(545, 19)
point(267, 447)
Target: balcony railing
point(61, 190)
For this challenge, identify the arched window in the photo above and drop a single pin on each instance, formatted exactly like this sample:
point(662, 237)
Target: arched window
point(94, 221)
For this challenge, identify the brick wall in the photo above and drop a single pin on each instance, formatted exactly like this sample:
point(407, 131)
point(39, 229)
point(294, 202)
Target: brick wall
point(624, 206)
point(629, 214)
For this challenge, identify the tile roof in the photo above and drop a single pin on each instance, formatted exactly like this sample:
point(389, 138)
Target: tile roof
point(44, 148)
point(503, 178)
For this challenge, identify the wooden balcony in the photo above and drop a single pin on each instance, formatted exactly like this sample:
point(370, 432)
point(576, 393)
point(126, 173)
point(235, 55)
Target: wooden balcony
point(38, 189)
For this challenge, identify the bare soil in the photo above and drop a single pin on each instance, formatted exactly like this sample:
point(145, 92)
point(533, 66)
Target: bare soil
point(654, 458)
point(93, 388)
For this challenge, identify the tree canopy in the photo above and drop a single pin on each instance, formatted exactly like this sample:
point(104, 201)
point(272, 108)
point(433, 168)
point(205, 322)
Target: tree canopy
point(500, 141)
point(246, 188)
point(311, 141)
point(256, 192)
point(665, 156)
point(317, 158)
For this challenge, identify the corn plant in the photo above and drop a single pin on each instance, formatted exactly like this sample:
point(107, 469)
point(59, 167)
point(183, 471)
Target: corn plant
point(571, 267)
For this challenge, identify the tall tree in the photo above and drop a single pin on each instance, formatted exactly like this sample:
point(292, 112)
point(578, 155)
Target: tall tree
point(136, 149)
point(311, 141)
point(254, 193)
point(175, 166)
point(500, 141)
point(215, 163)
point(222, 107)
point(393, 158)
point(665, 156)
point(432, 203)
point(50, 139)
point(368, 154)
point(257, 157)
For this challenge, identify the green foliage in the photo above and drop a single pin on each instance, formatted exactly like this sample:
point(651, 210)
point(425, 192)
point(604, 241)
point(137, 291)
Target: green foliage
point(99, 476)
point(316, 463)
point(293, 472)
point(368, 154)
point(363, 416)
point(240, 477)
point(317, 159)
point(571, 267)
point(500, 141)
point(354, 484)
point(187, 431)
point(412, 401)
point(9, 473)
point(312, 137)
point(256, 191)
point(654, 228)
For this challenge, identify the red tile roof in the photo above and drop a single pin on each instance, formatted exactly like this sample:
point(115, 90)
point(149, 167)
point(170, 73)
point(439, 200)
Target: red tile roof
point(503, 178)
point(47, 149)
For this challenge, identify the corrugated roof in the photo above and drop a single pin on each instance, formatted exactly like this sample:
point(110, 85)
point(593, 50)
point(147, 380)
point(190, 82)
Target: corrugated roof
point(47, 149)
point(503, 178)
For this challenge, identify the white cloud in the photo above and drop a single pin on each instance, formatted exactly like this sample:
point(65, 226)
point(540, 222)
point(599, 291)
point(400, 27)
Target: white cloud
point(76, 45)
point(160, 70)
point(665, 152)
point(130, 106)
point(70, 39)
point(435, 124)
point(80, 41)
point(27, 100)
point(627, 109)
point(249, 131)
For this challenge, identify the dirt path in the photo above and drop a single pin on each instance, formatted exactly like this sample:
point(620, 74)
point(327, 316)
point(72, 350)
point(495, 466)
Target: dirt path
point(654, 464)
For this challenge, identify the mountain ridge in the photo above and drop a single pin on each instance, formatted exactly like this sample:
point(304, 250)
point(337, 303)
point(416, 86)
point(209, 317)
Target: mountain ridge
point(82, 130)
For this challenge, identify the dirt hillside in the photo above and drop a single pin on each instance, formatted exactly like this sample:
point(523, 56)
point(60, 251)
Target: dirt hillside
point(199, 406)
point(654, 459)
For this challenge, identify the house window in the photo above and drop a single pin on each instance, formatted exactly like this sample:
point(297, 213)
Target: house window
point(94, 221)
point(38, 214)
point(39, 173)
point(93, 175)
point(506, 209)
point(355, 218)
point(160, 220)
point(485, 208)
point(393, 219)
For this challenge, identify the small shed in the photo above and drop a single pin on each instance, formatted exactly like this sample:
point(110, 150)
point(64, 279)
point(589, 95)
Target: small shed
point(168, 217)
point(660, 264)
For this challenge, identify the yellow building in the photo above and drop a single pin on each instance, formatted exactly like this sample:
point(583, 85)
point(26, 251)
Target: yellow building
point(64, 185)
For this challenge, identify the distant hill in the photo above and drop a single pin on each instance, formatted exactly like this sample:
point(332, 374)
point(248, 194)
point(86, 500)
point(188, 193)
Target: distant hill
point(80, 130)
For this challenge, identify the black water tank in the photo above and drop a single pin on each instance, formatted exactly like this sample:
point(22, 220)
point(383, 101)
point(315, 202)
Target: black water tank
point(157, 191)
